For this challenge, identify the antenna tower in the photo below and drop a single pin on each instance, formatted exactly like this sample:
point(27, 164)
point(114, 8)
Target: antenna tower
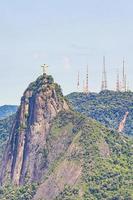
point(104, 76)
point(124, 81)
point(78, 82)
point(86, 87)
point(118, 82)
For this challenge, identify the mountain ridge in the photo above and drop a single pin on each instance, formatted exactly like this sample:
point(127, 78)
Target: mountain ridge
point(6, 110)
point(107, 107)
point(55, 153)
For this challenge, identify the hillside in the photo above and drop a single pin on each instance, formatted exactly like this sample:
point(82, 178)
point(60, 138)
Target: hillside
point(54, 153)
point(96, 164)
point(83, 160)
point(7, 110)
point(7, 115)
point(107, 107)
point(5, 127)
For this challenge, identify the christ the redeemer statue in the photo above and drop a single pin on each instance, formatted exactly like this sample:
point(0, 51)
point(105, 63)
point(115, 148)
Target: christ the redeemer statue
point(44, 67)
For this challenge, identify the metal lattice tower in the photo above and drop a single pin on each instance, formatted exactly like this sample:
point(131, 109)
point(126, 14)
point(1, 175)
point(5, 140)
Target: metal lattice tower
point(78, 83)
point(118, 82)
point(104, 76)
point(125, 82)
point(124, 78)
point(86, 87)
point(128, 87)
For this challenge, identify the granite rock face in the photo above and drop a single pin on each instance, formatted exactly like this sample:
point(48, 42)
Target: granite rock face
point(40, 104)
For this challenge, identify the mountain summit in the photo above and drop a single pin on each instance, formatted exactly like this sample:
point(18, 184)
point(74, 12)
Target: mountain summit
point(54, 153)
point(40, 104)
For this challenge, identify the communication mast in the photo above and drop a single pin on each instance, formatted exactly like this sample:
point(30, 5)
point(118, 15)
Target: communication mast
point(78, 83)
point(118, 82)
point(86, 87)
point(124, 87)
point(104, 76)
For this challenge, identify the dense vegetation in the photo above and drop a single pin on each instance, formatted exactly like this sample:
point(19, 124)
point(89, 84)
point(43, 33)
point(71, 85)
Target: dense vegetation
point(107, 107)
point(107, 164)
point(7, 114)
point(104, 156)
point(17, 193)
point(7, 110)
point(10, 192)
point(43, 83)
point(5, 126)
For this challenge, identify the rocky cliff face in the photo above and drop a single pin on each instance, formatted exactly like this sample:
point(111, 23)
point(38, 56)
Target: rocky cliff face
point(40, 104)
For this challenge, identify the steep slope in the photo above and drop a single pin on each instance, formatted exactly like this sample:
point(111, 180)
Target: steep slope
point(7, 110)
point(107, 107)
point(7, 114)
point(5, 126)
point(54, 153)
point(97, 163)
point(84, 161)
point(41, 102)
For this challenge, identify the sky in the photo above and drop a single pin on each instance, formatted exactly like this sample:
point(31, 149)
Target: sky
point(67, 35)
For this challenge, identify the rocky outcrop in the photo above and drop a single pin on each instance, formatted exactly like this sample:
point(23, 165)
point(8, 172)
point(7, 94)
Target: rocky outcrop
point(40, 104)
point(68, 173)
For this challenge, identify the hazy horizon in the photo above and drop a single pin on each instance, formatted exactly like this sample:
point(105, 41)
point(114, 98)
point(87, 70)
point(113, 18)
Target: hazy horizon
point(67, 35)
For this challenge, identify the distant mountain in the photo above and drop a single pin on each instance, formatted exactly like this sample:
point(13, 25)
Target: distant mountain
point(7, 113)
point(107, 107)
point(7, 110)
point(55, 153)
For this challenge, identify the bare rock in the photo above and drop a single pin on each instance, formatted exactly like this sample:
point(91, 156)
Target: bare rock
point(40, 104)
